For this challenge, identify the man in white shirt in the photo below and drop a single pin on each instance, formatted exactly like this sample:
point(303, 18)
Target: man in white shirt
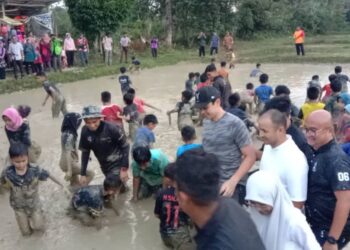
point(124, 43)
point(282, 156)
point(107, 43)
point(17, 56)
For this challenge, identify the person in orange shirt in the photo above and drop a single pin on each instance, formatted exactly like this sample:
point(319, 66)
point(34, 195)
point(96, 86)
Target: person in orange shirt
point(223, 71)
point(228, 41)
point(299, 37)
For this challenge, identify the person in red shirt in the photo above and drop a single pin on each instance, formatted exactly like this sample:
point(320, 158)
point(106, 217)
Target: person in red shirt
point(327, 88)
point(204, 81)
point(140, 104)
point(111, 112)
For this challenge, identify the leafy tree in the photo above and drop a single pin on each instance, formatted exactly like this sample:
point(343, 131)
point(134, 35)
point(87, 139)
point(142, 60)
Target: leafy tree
point(62, 22)
point(95, 16)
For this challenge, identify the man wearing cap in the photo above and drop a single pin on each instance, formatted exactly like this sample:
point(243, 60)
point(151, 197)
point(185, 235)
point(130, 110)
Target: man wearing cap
point(227, 137)
point(108, 143)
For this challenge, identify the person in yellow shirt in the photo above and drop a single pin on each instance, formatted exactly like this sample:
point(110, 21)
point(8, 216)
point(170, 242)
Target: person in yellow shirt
point(299, 38)
point(313, 103)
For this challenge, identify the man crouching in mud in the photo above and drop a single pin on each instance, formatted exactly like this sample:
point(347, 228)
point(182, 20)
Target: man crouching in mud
point(109, 144)
point(88, 202)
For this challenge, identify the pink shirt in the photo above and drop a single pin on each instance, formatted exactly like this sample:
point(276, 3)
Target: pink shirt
point(139, 104)
point(107, 43)
point(69, 44)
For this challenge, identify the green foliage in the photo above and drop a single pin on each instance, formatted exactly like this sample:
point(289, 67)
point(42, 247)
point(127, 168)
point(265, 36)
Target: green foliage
point(62, 22)
point(281, 16)
point(95, 16)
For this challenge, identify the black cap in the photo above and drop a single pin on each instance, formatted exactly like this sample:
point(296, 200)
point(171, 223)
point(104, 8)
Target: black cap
point(206, 95)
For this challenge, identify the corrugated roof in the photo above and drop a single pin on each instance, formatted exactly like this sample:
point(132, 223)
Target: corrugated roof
point(26, 7)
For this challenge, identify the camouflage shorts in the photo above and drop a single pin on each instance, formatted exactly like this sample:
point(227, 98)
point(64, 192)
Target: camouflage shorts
point(179, 240)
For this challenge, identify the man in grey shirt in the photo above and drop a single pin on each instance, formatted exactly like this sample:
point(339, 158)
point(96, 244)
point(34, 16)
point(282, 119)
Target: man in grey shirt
point(225, 136)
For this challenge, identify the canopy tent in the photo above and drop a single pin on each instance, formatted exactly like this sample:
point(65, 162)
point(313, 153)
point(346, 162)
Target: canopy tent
point(14, 8)
point(10, 21)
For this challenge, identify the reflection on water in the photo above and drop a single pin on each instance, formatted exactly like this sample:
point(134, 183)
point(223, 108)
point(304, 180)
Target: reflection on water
point(136, 227)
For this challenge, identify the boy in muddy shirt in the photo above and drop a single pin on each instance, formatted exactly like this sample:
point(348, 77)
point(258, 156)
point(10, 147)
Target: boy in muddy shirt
point(58, 100)
point(22, 178)
point(88, 202)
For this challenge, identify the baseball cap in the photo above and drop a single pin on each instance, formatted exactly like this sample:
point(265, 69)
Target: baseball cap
point(206, 95)
point(91, 112)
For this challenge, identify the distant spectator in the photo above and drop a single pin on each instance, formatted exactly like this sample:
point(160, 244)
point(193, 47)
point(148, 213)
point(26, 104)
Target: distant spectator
point(154, 47)
point(256, 72)
point(107, 43)
point(69, 47)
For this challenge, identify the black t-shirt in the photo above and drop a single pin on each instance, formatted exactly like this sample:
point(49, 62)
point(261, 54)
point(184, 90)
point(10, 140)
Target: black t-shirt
point(230, 228)
point(22, 135)
point(300, 140)
point(225, 90)
point(125, 83)
point(131, 111)
point(330, 172)
point(169, 212)
point(109, 145)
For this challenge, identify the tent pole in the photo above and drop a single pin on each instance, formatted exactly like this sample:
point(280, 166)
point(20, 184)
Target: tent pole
point(3, 8)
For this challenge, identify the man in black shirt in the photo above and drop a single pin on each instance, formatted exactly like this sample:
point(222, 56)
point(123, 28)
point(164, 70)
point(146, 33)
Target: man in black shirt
point(328, 199)
point(221, 222)
point(108, 143)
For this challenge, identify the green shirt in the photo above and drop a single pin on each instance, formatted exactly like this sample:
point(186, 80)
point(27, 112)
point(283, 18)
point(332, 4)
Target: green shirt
point(154, 172)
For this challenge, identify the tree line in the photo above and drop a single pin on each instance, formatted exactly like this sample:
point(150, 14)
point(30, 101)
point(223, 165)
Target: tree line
point(180, 21)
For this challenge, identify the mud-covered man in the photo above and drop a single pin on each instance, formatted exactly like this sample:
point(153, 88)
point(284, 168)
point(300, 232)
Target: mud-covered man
point(108, 143)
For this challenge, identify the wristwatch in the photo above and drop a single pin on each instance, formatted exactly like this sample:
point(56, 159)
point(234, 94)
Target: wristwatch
point(331, 240)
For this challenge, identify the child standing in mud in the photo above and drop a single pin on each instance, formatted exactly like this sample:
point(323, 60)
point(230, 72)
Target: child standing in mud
point(18, 131)
point(184, 110)
point(131, 115)
point(124, 80)
point(22, 178)
point(58, 100)
point(69, 161)
point(174, 228)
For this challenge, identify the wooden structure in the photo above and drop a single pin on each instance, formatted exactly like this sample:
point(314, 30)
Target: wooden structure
point(12, 8)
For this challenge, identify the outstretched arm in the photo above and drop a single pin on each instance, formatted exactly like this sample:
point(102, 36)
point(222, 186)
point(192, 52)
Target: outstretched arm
point(45, 100)
point(151, 106)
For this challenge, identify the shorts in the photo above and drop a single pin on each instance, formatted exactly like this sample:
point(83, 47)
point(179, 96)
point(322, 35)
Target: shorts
point(58, 105)
point(147, 190)
point(29, 220)
point(181, 239)
point(133, 126)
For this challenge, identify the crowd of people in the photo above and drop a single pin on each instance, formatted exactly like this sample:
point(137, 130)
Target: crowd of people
point(298, 198)
point(31, 55)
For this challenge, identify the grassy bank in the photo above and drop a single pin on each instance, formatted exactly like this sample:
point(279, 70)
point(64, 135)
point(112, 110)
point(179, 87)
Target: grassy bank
point(319, 49)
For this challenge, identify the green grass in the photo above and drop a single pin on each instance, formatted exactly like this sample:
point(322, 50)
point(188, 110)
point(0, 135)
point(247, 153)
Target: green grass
point(332, 48)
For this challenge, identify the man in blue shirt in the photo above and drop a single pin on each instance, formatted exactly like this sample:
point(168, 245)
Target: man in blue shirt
point(214, 44)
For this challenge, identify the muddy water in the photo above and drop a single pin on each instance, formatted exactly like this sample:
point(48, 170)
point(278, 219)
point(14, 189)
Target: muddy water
point(136, 228)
